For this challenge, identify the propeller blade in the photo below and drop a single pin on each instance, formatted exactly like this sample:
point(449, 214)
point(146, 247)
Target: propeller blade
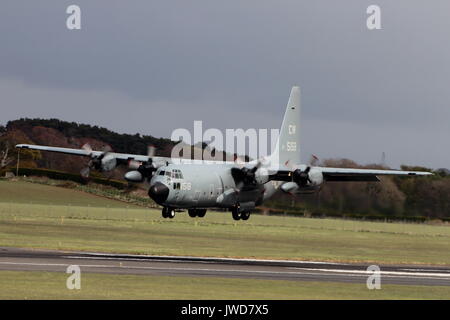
point(239, 160)
point(133, 164)
point(86, 147)
point(85, 172)
point(257, 166)
point(151, 149)
point(106, 149)
point(313, 160)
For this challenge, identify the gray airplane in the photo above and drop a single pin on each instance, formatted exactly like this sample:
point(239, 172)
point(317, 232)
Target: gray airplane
point(196, 185)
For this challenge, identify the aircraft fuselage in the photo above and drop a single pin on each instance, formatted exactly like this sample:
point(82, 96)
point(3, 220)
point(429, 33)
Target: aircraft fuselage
point(205, 186)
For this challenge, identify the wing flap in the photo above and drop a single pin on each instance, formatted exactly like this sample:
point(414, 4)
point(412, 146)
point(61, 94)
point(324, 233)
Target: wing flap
point(369, 172)
point(351, 178)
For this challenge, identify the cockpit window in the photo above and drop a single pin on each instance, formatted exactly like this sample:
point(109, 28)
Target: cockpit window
point(177, 174)
point(161, 173)
point(168, 173)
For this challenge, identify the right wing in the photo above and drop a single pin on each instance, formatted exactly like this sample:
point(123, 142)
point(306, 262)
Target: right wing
point(345, 174)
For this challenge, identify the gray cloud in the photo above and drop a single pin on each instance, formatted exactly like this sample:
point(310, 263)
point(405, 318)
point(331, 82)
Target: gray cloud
point(155, 66)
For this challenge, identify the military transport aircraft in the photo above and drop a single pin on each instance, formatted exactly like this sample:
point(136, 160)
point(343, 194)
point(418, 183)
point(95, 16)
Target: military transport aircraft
point(198, 185)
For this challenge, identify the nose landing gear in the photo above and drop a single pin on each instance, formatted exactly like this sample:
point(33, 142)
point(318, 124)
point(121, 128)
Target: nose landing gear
point(168, 212)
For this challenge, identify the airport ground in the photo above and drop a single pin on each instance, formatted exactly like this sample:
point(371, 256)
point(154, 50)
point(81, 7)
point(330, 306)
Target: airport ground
point(51, 285)
point(45, 217)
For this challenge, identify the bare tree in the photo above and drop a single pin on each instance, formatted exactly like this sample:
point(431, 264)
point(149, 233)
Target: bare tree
point(4, 160)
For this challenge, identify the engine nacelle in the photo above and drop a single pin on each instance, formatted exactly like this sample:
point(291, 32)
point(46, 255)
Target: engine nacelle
point(134, 176)
point(315, 177)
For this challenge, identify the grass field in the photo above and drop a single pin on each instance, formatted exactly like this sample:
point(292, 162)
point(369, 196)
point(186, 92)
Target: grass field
point(41, 216)
point(38, 216)
point(34, 193)
point(52, 285)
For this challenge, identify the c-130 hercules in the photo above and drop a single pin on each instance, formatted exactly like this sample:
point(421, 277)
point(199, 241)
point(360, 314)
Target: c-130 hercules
point(197, 185)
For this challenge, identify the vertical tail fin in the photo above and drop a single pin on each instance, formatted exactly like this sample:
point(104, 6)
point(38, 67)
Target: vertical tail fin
point(287, 148)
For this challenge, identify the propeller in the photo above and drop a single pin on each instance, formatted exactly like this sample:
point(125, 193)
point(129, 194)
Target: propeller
point(245, 176)
point(146, 169)
point(302, 177)
point(96, 160)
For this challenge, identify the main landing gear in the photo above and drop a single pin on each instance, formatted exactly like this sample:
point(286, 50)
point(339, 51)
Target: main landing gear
point(240, 215)
point(197, 213)
point(168, 212)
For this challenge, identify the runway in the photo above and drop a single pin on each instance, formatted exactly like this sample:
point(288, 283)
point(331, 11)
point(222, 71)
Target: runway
point(90, 262)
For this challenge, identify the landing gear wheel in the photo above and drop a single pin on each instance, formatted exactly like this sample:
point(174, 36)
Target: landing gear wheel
point(236, 213)
point(170, 213)
point(164, 212)
point(245, 215)
point(201, 213)
point(192, 213)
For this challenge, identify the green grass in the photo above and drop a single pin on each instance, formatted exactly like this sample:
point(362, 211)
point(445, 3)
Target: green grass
point(41, 216)
point(52, 285)
point(115, 228)
point(33, 193)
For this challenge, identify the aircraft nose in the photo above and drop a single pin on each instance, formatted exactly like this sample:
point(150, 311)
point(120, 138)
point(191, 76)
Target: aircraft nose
point(159, 192)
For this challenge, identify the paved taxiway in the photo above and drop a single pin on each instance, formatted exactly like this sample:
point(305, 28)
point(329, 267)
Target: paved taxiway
point(57, 261)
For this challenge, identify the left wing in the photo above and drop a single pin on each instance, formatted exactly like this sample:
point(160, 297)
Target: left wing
point(86, 153)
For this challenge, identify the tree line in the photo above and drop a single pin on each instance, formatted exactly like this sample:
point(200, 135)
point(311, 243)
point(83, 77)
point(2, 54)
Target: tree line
point(427, 197)
point(124, 143)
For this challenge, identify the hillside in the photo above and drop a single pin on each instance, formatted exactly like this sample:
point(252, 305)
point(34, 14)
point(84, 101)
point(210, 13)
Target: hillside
point(72, 135)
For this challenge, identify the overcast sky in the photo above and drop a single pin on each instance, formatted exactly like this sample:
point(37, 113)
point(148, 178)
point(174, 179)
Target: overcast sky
point(154, 66)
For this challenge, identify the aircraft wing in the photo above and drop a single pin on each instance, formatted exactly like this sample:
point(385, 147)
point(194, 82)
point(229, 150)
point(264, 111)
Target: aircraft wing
point(86, 153)
point(344, 174)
